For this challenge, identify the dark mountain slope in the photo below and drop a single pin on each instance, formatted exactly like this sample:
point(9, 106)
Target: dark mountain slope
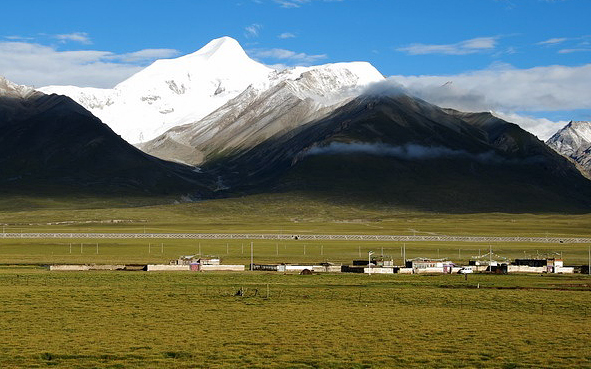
point(50, 143)
point(402, 151)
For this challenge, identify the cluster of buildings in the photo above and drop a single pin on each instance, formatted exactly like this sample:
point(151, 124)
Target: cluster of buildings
point(431, 266)
point(369, 266)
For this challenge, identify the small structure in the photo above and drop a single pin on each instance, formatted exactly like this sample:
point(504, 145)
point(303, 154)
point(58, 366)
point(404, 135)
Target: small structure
point(421, 265)
point(167, 268)
point(193, 259)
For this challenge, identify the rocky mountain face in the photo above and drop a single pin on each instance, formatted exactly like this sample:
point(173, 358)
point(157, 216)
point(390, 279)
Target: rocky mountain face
point(574, 142)
point(49, 143)
point(287, 100)
point(402, 151)
point(171, 92)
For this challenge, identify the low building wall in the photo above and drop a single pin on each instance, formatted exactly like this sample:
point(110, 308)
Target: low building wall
point(299, 268)
point(222, 268)
point(525, 269)
point(565, 270)
point(378, 270)
point(68, 267)
point(428, 270)
point(405, 271)
point(106, 267)
point(167, 267)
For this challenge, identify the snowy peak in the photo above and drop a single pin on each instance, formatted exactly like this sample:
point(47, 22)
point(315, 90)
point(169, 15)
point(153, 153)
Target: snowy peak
point(10, 89)
point(172, 92)
point(220, 48)
point(285, 101)
point(573, 138)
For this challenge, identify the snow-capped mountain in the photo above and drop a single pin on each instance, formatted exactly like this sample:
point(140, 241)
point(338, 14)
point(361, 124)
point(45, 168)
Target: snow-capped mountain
point(287, 100)
point(574, 141)
point(10, 89)
point(171, 92)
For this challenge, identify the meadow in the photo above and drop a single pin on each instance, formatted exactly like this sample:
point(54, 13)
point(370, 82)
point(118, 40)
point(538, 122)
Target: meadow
point(184, 319)
point(187, 319)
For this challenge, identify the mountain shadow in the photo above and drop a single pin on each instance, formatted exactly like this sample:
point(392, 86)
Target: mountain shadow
point(50, 144)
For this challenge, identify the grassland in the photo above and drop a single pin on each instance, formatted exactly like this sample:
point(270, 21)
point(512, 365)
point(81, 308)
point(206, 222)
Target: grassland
point(290, 213)
point(181, 320)
point(279, 213)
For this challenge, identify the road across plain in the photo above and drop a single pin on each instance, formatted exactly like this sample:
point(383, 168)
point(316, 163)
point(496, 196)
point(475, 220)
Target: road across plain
point(302, 237)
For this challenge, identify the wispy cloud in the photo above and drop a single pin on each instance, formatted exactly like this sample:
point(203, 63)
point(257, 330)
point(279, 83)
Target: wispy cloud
point(147, 55)
point(252, 30)
point(471, 46)
point(81, 37)
point(285, 35)
point(18, 38)
point(298, 3)
point(570, 51)
point(553, 41)
point(286, 56)
point(40, 65)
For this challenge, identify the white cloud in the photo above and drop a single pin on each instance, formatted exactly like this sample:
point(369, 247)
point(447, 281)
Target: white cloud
point(252, 30)
point(285, 35)
point(553, 41)
point(549, 88)
point(81, 37)
point(541, 127)
point(471, 46)
point(39, 65)
point(298, 3)
point(147, 55)
point(569, 51)
point(512, 94)
point(286, 55)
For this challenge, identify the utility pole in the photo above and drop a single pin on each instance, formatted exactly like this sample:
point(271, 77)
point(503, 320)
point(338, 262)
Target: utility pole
point(227, 249)
point(321, 249)
point(251, 255)
point(277, 248)
point(81, 248)
point(97, 248)
point(369, 254)
point(404, 254)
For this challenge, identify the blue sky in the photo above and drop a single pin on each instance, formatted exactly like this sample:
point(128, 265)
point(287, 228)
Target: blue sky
point(102, 42)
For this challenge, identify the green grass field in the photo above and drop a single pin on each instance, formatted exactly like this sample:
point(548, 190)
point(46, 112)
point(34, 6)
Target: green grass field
point(184, 319)
point(187, 319)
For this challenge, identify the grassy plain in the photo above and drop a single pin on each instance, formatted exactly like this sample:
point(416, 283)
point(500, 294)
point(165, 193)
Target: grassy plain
point(289, 213)
point(279, 213)
point(181, 320)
